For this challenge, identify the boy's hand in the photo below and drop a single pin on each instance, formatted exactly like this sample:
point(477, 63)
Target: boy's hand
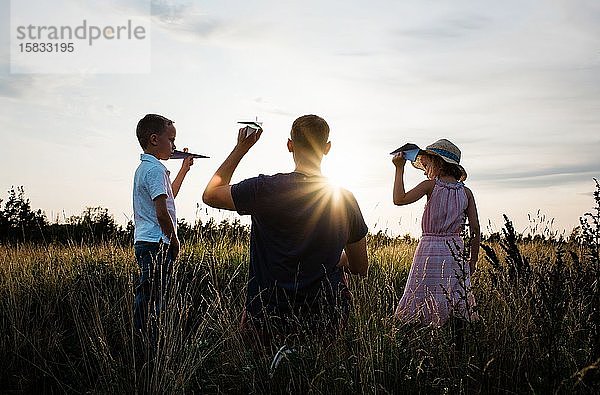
point(398, 159)
point(245, 143)
point(188, 162)
point(174, 247)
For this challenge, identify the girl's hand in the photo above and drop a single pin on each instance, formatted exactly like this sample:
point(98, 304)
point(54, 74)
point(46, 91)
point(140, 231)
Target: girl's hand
point(188, 161)
point(398, 159)
point(472, 266)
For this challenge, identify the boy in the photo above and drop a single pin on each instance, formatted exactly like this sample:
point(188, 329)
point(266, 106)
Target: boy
point(156, 243)
point(300, 227)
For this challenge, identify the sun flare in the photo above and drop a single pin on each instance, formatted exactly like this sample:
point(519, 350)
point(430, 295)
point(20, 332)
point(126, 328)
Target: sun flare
point(338, 172)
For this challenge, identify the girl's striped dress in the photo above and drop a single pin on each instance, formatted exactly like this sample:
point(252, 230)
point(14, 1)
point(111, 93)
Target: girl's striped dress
point(438, 284)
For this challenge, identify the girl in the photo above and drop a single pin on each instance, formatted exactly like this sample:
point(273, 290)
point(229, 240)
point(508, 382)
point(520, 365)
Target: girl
point(438, 285)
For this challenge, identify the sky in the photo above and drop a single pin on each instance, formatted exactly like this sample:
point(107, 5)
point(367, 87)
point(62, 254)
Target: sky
point(514, 84)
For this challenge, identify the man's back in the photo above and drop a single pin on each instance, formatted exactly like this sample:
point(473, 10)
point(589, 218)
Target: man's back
point(300, 225)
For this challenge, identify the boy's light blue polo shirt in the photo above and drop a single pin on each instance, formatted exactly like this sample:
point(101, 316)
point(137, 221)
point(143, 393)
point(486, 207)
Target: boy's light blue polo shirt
point(150, 181)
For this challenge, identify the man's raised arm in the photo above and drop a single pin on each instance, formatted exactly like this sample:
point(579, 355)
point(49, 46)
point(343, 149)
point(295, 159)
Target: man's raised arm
point(217, 193)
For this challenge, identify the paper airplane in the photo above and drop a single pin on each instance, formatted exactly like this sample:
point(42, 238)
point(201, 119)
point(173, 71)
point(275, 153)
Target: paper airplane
point(411, 151)
point(251, 126)
point(181, 155)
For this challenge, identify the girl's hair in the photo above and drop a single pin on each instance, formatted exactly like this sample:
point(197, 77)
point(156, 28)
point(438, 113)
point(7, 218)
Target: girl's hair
point(445, 168)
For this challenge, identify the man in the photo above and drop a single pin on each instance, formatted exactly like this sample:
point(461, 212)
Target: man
point(305, 233)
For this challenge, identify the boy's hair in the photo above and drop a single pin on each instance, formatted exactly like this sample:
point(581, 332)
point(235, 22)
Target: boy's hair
point(445, 168)
point(310, 131)
point(150, 124)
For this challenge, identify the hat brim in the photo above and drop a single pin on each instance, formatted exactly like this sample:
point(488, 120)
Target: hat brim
point(417, 163)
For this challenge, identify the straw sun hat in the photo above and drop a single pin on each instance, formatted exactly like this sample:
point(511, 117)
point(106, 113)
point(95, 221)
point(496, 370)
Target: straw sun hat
point(445, 150)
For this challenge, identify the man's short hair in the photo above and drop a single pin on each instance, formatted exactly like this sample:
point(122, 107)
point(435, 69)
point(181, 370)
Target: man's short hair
point(310, 131)
point(151, 124)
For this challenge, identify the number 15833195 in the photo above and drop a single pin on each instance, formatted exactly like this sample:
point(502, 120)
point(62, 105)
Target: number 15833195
point(46, 47)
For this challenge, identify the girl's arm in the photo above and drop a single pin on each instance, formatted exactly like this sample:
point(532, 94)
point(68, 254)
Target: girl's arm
point(475, 234)
point(401, 197)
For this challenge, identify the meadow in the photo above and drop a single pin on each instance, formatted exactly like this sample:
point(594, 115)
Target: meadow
point(66, 323)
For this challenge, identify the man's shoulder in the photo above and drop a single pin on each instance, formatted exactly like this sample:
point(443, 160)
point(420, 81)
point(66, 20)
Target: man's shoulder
point(278, 178)
point(348, 197)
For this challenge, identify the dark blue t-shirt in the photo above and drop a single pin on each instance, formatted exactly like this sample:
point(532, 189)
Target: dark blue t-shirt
point(300, 225)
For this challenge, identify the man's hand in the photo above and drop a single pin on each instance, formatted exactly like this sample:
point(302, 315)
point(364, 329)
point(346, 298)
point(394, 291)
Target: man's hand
point(218, 191)
point(343, 262)
point(245, 143)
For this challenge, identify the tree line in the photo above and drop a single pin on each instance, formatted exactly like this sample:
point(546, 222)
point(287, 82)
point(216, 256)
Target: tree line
point(19, 223)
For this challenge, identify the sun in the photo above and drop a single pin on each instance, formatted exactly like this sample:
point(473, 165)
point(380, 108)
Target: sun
point(339, 172)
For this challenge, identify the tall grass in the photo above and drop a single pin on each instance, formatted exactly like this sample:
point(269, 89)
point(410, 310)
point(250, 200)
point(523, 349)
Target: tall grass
point(66, 325)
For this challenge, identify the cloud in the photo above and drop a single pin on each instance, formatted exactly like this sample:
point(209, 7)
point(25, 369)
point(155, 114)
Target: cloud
point(51, 90)
point(449, 28)
point(188, 22)
point(15, 85)
point(47, 89)
point(541, 178)
point(169, 11)
point(267, 107)
point(356, 53)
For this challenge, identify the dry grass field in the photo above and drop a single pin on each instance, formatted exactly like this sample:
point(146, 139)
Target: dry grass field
point(66, 324)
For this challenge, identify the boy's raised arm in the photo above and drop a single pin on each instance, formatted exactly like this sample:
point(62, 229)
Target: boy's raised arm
point(218, 190)
point(185, 167)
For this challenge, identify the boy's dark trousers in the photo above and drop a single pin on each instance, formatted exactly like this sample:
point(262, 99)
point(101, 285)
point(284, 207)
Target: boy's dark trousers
point(155, 262)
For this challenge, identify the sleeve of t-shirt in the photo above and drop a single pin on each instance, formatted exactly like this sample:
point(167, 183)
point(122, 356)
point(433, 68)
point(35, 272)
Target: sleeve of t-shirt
point(245, 195)
point(358, 227)
point(155, 182)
